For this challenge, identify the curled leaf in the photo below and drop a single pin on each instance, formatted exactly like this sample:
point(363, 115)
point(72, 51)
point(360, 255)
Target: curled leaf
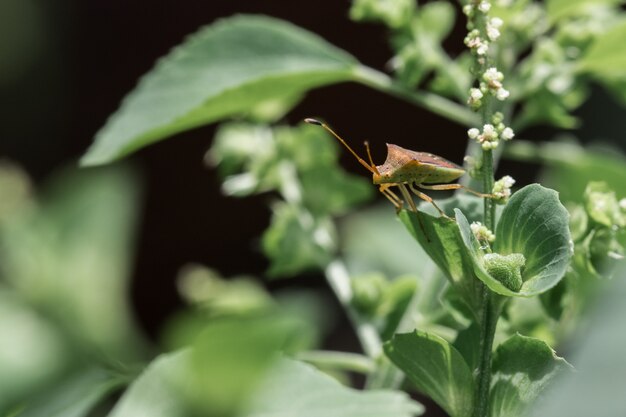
point(534, 224)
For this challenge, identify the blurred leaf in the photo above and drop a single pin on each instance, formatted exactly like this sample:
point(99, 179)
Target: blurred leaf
point(299, 162)
point(227, 360)
point(71, 258)
point(75, 397)
point(296, 389)
point(571, 166)
point(296, 241)
point(223, 70)
point(393, 13)
point(154, 392)
point(597, 388)
point(436, 368)
point(16, 191)
point(578, 221)
point(523, 368)
point(206, 289)
point(435, 20)
point(602, 205)
point(607, 54)
point(33, 354)
point(543, 107)
point(374, 240)
point(559, 9)
point(535, 224)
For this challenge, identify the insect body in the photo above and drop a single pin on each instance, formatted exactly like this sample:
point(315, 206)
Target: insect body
point(408, 170)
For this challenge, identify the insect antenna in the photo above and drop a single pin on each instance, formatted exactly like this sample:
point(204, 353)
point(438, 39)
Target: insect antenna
point(371, 168)
point(369, 156)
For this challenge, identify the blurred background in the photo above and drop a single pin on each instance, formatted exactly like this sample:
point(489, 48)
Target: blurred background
point(66, 65)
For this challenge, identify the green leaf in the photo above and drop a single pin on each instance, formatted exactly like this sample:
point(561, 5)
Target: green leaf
point(299, 162)
point(374, 240)
point(296, 241)
point(535, 224)
point(607, 54)
point(436, 368)
point(523, 368)
point(227, 360)
point(393, 13)
point(70, 258)
point(442, 241)
point(33, 354)
point(602, 205)
point(558, 9)
point(154, 393)
point(296, 389)
point(226, 69)
point(75, 397)
point(571, 166)
point(435, 20)
point(597, 388)
point(467, 342)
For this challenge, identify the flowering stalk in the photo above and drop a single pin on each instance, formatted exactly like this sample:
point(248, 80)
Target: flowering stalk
point(489, 90)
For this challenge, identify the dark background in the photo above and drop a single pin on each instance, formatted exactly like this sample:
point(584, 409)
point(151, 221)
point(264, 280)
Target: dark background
point(73, 61)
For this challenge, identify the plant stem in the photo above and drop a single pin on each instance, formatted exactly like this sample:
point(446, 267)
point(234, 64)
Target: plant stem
point(489, 319)
point(339, 281)
point(435, 103)
point(338, 360)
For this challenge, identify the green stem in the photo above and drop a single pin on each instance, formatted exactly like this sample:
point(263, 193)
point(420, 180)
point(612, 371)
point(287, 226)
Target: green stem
point(338, 360)
point(489, 319)
point(339, 281)
point(435, 103)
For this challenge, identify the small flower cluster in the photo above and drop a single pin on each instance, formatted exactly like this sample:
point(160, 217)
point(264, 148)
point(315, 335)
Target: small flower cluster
point(477, 44)
point(491, 83)
point(482, 233)
point(491, 134)
point(502, 189)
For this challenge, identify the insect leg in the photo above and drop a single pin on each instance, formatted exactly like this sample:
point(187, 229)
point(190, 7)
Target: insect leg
point(391, 196)
point(427, 198)
point(407, 196)
point(455, 187)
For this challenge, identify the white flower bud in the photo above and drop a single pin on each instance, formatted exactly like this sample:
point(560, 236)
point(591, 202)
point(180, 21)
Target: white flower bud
point(502, 188)
point(483, 48)
point(476, 94)
point(496, 22)
point(507, 133)
point(484, 6)
point(482, 233)
point(473, 133)
point(492, 33)
point(502, 94)
point(489, 132)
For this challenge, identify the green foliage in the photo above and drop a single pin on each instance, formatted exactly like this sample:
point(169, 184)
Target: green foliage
point(225, 360)
point(597, 386)
point(82, 234)
point(301, 165)
point(522, 369)
point(64, 263)
point(441, 240)
point(229, 68)
point(296, 389)
point(535, 224)
point(444, 376)
point(76, 397)
point(233, 341)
